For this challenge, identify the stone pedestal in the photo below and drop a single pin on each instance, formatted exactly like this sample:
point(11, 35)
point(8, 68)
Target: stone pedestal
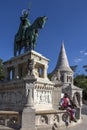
point(28, 114)
point(28, 119)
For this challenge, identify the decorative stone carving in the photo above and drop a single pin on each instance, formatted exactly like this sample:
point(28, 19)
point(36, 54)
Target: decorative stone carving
point(29, 94)
point(44, 120)
point(2, 121)
point(42, 96)
point(65, 117)
point(56, 118)
point(31, 67)
point(55, 122)
point(56, 76)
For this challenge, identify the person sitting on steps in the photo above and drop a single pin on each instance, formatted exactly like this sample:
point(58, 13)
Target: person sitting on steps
point(67, 104)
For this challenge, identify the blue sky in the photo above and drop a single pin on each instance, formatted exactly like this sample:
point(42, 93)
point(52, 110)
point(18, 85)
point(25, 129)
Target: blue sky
point(67, 21)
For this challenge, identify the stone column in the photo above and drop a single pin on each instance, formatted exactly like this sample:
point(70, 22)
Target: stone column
point(29, 94)
point(65, 78)
point(45, 71)
point(16, 76)
point(28, 114)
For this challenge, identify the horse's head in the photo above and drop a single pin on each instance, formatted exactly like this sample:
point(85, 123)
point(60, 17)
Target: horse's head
point(40, 22)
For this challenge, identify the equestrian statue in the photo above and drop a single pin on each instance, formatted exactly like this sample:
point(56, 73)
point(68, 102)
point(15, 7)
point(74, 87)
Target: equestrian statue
point(27, 34)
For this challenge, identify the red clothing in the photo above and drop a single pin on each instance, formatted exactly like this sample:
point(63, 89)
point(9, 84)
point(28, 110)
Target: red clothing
point(65, 103)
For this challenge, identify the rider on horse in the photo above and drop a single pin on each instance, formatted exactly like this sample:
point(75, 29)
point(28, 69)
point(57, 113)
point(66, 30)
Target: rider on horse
point(24, 24)
point(27, 33)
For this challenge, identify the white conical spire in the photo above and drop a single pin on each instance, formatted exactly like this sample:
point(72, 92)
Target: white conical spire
point(62, 63)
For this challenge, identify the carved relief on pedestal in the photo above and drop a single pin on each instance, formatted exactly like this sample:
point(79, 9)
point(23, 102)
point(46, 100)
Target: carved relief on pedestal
point(42, 96)
point(29, 94)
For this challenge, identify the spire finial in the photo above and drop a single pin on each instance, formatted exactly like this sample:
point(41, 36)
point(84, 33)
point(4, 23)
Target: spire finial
point(62, 43)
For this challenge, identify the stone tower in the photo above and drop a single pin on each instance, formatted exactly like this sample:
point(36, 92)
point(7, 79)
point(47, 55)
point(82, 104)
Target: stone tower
point(62, 74)
point(62, 71)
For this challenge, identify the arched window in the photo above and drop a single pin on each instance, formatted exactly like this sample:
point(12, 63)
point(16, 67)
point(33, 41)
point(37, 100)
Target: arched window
point(62, 78)
point(11, 72)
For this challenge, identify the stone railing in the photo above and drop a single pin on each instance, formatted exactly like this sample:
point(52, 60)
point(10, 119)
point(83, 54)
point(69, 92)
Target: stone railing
point(53, 119)
point(9, 119)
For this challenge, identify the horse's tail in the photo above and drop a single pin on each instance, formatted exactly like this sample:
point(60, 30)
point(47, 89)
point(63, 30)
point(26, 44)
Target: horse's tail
point(15, 47)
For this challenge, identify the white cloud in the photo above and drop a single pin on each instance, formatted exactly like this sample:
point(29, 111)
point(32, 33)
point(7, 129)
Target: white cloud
point(77, 60)
point(82, 52)
point(85, 53)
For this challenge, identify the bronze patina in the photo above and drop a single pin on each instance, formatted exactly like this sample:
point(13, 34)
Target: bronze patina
point(27, 34)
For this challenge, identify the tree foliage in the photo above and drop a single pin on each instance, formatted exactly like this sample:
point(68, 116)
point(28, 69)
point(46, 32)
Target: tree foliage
point(2, 72)
point(81, 81)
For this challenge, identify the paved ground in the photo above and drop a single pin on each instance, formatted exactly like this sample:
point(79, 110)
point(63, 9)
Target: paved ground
point(83, 124)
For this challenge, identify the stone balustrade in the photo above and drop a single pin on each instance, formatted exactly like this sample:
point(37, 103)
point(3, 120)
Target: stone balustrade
point(53, 119)
point(10, 119)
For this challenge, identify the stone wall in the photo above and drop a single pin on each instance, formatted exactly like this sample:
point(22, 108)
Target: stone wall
point(12, 95)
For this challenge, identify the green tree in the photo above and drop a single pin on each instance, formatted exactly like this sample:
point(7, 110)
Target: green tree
point(2, 72)
point(81, 81)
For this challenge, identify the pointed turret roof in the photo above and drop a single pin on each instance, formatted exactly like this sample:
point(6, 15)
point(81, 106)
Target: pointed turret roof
point(63, 64)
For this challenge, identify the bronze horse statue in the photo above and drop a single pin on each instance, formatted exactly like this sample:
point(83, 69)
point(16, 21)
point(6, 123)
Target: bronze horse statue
point(28, 38)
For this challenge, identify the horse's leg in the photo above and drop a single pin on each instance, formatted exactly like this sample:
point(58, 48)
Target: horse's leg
point(20, 50)
point(25, 49)
point(33, 46)
point(26, 46)
point(29, 46)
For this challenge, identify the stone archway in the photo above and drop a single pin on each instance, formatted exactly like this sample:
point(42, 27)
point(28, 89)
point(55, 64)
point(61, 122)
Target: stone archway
point(77, 99)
